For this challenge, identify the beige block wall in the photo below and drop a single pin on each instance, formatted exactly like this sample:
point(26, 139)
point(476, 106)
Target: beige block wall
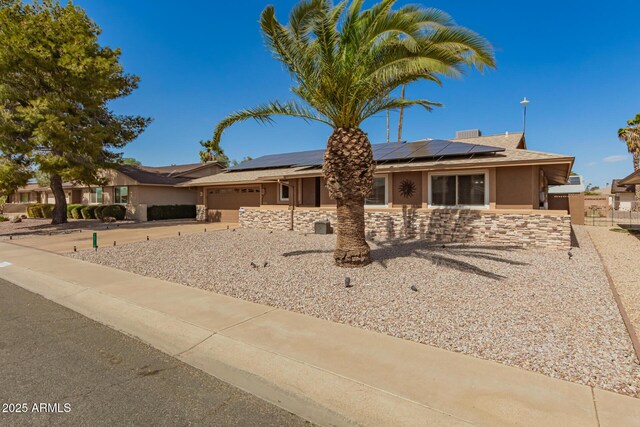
point(156, 195)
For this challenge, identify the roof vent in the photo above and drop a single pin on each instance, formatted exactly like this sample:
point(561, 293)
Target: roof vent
point(473, 133)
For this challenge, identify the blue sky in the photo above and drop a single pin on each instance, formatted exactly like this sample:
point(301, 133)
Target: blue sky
point(578, 63)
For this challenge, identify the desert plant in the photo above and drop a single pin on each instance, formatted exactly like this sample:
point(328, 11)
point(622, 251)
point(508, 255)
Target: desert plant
point(3, 218)
point(346, 63)
point(630, 135)
point(116, 211)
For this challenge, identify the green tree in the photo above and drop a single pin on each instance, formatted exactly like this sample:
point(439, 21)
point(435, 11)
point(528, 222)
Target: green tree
point(55, 85)
point(244, 159)
point(213, 153)
point(346, 62)
point(630, 135)
point(130, 161)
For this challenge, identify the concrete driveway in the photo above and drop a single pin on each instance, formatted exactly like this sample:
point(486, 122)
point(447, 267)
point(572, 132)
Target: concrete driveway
point(118, 235)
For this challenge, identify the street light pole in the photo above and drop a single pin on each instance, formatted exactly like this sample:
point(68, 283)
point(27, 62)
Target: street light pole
point(524, 103)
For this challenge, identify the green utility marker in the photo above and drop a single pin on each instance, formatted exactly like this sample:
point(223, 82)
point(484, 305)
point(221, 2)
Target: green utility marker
point(95, 241)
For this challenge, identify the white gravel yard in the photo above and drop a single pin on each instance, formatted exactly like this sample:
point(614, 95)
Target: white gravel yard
point(535, 309)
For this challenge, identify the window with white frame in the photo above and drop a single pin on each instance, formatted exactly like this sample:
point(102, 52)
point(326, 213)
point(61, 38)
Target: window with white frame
point(121, 195)
point(95, 195)
point(462, 189)
point(284, 193)
point(379, 195)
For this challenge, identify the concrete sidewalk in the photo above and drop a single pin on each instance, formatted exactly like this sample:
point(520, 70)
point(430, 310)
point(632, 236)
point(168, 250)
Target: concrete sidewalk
point(328, 373)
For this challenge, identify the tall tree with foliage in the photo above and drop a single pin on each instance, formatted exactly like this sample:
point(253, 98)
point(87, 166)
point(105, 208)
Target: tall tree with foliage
point(630, 135)
point(212, 152)
point(55, 84)
point(346, 62)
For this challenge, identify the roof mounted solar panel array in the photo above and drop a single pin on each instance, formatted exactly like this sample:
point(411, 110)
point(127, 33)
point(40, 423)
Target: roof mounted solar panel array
point(382, 153)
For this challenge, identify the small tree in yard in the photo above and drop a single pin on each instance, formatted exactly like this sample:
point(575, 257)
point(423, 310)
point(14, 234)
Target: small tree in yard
point(55, 84)
point(346, 63)
point(630, 135)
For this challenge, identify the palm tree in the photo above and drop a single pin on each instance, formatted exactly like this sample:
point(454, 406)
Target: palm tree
point(630, 135)
point(345, 63)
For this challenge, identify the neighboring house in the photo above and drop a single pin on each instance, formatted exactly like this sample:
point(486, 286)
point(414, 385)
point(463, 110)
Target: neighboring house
point(562, 196)
point(134, 186)
point(473, 188)
point(623, 195)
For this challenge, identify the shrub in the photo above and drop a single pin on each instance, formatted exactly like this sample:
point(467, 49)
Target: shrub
point(88, 212)
point(76, 212)
point(39, 210)
point(70, 207)
point(98, 212)
point(116, 211)
point(3, 218)
point(155, 213)
point(47, 211)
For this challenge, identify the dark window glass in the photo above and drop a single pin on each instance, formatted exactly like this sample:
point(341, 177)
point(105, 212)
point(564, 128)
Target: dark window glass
point(378, 197)
point(122, 195)
point(471, 190)
point(443, 190)
point(284, 192)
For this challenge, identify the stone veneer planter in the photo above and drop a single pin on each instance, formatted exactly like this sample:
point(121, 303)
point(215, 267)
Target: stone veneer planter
point(549, 230)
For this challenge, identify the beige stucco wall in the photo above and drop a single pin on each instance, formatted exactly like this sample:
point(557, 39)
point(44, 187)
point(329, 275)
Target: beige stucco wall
point(517, 187)
point(308, 190)
point(409, 177)
point(156, 195)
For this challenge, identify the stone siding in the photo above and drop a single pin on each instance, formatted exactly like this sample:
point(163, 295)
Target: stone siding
point(441, 225)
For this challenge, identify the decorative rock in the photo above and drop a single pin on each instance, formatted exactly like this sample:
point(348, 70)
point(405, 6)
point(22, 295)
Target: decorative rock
point(414, 288)
point(15, 220)
point(108, 219)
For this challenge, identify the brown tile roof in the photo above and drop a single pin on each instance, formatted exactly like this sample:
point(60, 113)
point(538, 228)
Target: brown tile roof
point(502, 140)
point(232, 177)
point(616, 187)
point(178, 169)
point(144, 176)
point(633, 178)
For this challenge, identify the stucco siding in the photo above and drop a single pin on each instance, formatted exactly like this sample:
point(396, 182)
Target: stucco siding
point(152, 195)
point(516, 188)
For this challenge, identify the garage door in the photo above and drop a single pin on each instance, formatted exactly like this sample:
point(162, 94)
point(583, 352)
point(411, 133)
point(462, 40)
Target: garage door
point(224, 203)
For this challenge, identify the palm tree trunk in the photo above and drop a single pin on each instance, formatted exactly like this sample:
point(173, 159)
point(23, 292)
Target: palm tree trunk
point(636, 161)
point(348, 169)
point(60, 209)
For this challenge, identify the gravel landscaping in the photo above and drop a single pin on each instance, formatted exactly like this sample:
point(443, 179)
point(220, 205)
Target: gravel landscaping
point(535, 309)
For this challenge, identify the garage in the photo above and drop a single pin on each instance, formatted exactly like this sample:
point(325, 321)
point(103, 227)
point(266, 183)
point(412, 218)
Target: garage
point(223, 204)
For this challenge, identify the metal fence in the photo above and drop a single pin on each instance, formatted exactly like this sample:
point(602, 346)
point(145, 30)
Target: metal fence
point(610, 217)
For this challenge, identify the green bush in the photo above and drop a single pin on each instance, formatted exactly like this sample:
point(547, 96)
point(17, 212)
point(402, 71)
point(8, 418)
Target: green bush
point(88, 212)
point(98, 212)
point(70, 207)
point(76, 212)
point(116, 211)
point(3, 218)
point(155, 213)
point(39, 210)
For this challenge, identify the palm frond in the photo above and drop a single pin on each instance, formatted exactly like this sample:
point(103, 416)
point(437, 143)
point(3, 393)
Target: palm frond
point(264, 114)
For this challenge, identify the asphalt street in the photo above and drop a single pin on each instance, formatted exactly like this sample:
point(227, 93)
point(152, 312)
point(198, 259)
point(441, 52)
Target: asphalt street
point(58, 367)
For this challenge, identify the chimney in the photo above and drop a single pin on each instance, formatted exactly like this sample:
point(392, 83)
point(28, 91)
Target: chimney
point(472, 133)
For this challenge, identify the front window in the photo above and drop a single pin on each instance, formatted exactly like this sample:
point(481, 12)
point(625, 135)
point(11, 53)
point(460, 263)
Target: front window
point(95, 196)
point(458, 190)
point(121, 195)
point(379, 195)
point(284, 193)
point(24, 197)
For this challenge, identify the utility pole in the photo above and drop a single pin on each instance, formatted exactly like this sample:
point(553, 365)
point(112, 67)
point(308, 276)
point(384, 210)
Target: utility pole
point(401, 118)
point(524, 103)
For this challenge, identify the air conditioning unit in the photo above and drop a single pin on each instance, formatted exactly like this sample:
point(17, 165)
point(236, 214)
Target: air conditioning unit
point(472, 133)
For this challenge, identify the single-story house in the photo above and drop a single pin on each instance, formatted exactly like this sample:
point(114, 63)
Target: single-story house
point(570, 197)
point(624, 195)
point(471, 188)
point(137, 187)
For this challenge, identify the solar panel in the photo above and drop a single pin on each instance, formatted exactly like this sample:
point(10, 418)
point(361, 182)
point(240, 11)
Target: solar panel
point(382, 153)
